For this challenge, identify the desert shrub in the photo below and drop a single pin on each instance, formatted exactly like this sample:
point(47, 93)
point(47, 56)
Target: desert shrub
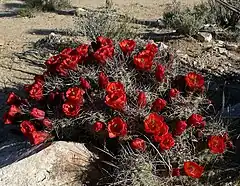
point(104, 22)
point(130, 98)
point(47, 5)
point(186, 20)
point(33, 6)
point(223, 16)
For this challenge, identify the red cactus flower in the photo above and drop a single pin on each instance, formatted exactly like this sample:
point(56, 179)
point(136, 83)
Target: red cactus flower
point(71, 109)
point(138, 144)
point(196, 120)
point(103, 80)
point(13, 99)
point(82, 52)
point(39, 79)
point(176, 172)
point(47, 123)
point(194, 81)
point(103, 53)
point(163, 131)
point(66, 51)
point(52, 60)
point(143, 61)
point(116, 100)
point(153, 48)
point(193, 170)
point(27, 127)
point(38, 137)
point(153, 123)
point(84, 83)
point(75, 94)
point(158, 105)
point(7, 120)
point(166, 142)
point(173, 92)
point(159, 73)
point(98, 126)
point(217, 144)
point(127, 46)
point(36, 91)
point(13, 110)
point(142, 100)
point(117, 127)
point(104, 41)
point(180, 128)
point(37, 114)
point(114, 86)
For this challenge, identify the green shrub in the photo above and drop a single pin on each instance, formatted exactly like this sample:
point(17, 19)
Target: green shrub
point(105, 22)
point(187, 21)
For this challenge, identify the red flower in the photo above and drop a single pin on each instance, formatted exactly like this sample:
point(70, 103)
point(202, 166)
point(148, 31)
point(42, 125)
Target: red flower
point(27, 128)
point(114, 86)
point(167, 142)
point(7, 120)
point(142, 100)
point(103, 80)
point(37, 114)
point(98, 126)
point(66, 51)
point(196, 120)
point(180, 128)
point(52, 60)
point(173, 92)
point(71, 109)
point(38, 137)
point(75, 94)
point(217, 144)
point(84, 83)
point(82, 52)
point(176, 172)
point(153, 48)
point(153, 123)
point(70, 63)
point(13, 110)
point(103, 53)
point(104, 41)
point(159, 104)
point(117, 127)
point(36, 91)
point(13, 99)
point(193, 170)
point(163, 131)
point(159, 74)
point(138, 144)
point(47, 123)
point(127, 46)
point(194, 81)
point(143, 61)
point(116, 100)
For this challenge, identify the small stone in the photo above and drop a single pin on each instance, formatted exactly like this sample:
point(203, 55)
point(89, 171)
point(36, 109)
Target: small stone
point(222, 51)
point(231, 46)
point(204, 36)
point(162, 46)
point(80, 11)
point(220, 43)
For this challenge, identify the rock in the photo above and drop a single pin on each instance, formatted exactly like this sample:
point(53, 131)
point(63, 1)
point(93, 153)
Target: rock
point(231, 46)
point(204, 36)
point(62, 163)
point(80, 11)
point(222, 51)
point(162, 46)
point(220, 43)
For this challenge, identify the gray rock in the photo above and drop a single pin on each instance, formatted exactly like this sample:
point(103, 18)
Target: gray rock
point(62, 163)
point(80, 11)
point(162, 46)
point(222, 51)
point(204, 36)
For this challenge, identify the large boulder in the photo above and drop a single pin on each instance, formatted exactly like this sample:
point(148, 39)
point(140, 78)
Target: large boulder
point(61, 163)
